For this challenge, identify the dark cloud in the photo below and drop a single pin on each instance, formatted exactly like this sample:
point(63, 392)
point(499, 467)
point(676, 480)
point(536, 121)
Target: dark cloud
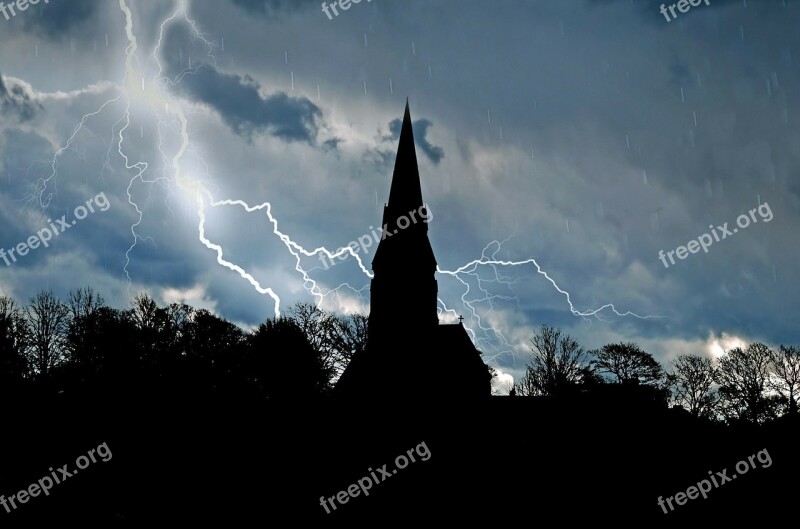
point(332, 144)
point(17, 100)
point(421, 126)
point(59, 17)
point(239, 99)
point(378, 158)
point(271, 8)
point(240, 103)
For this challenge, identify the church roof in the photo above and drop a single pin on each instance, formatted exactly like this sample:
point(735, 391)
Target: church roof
point(455, 335)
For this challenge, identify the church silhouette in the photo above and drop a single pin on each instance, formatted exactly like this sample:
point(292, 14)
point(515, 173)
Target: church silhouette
point(409, 354)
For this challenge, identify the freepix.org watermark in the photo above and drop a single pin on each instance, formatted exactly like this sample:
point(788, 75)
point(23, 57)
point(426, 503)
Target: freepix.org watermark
point(720, 232)
point(45, 235)
point(344, 5)
point(365, 484)
point(20, 5)
point(368, 239)
point(683, 6)
point(704, 486)
point(48, 482)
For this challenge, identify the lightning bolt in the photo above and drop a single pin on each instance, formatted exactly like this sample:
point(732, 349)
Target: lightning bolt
point(483, 340)
point(40, 187)
point(202, 195)
point(154, 95)
point(157, 97)
point(472, 269)
point(469, 269)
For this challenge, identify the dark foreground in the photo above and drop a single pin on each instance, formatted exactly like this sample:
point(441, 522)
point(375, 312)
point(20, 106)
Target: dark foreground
point(504, 462)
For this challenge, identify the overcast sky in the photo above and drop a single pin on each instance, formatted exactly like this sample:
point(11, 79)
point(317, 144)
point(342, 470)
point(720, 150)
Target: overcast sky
point(587, 135)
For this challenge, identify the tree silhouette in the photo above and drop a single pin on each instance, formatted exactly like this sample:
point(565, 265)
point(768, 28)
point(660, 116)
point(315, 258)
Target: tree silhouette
point(214, 350)
point(319, 327)
point(180, 317)
point(742, 376)
point(13, 342)
point(557, 364)
point(284, 364)
point(83, 305)
point(158, 334)
point(627, 363)
point(210, 336)
point(692, 385)
point(47, 319)
point(351, 339)
point(335, 338)
point(146, 314)
point(113, 345)
point(787, 376)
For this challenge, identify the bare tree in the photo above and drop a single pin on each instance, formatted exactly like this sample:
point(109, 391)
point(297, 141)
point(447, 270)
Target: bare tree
point(13, 340)
point(530, 384)
point(180, 314)
point(335, 338)
point(628, 363)
point(787, 375)
point(742, 376)
point(318, 325)
point(83, 303)
point(351, 339)
point(47, 319)
point(180, 317)
point(83, 306)
point(146, 314)
point(158, 337)
point(557, 364)
point(693, 381)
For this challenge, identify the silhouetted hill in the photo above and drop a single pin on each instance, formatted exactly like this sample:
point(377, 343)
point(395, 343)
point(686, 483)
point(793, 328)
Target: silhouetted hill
point(192, 459)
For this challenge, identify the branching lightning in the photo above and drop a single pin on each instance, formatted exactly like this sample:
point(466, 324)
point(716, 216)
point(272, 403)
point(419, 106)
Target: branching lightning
point(203, 197)
point(471, 269)
point(153, 94)
point(40, 188)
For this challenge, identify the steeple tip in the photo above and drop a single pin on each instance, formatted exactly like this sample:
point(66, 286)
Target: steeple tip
point(406, 131)
point(405, 193)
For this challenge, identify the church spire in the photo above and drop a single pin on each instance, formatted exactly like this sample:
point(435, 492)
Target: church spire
point(406, 192)
point(403, 288)
point(404, 216)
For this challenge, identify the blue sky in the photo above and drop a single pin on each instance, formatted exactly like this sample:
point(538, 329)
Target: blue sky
point(587, 135)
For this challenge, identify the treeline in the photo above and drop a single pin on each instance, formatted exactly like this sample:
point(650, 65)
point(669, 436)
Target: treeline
point(53, 346)
point(751, 385)
point(80, 345)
